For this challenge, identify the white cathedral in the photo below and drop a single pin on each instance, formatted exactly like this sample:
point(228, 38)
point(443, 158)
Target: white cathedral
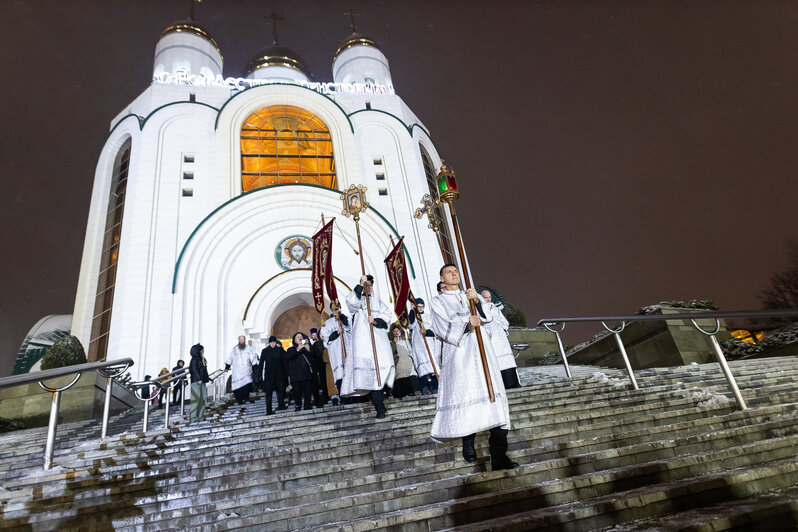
point(208, 189)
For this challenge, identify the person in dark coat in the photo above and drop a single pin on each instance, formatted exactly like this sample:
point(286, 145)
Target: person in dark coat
point(273, 370)
point(319, 384)
point(145, 390)
point(178, 384)
point(198, 374)
point(300, 370)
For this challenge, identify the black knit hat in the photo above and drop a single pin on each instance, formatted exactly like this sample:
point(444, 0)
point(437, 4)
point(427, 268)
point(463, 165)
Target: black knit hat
point(272, 338)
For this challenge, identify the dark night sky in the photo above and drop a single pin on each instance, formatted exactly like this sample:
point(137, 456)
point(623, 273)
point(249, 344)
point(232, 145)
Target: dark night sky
point(611, 154)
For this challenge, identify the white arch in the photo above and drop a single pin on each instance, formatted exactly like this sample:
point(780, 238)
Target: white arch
point(231, 254)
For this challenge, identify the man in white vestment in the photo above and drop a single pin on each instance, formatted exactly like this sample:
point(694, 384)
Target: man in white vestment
point(423, 343)
point(240, 360)
point(331, 335)
point(497, 328)
point(464, 407)
point(360, 376)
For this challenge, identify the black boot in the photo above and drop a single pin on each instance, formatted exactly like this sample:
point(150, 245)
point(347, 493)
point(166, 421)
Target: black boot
point(469, 453)
point(498, 450)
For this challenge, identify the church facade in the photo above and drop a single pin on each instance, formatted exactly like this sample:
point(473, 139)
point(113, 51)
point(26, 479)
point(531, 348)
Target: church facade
point(209, 188)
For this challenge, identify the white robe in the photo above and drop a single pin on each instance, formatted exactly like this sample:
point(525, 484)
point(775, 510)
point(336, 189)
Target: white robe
point(463, 406)
point(420, 355)
point(498, 336)
point(360, 377)
point(334, 350)
point(241, 362)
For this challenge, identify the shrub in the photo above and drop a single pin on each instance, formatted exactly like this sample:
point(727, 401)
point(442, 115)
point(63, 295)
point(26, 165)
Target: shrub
point(514, 315)
point(67, 351)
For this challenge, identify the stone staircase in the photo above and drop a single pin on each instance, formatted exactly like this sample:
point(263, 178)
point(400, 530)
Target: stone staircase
point(675, 455)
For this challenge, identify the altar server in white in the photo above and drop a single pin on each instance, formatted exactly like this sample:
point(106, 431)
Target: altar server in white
point(497, 328)
point(331, 335)
point(360, 376)
point(464, 407)
point(424, 344)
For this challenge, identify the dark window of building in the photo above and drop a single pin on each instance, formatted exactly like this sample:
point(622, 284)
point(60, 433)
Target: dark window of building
point(192, 97)
point(103, 302)
point(188, 158)
point(383, 192)
point(380, 177)
point(188, 175)
point(187, 192)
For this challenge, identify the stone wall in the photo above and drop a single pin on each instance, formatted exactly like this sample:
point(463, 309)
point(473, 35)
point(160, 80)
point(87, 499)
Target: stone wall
point(30, 405)
point(540, 343)
point(651, 344)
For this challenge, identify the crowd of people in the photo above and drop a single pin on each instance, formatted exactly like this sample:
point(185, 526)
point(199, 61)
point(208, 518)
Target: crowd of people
point(362, 354)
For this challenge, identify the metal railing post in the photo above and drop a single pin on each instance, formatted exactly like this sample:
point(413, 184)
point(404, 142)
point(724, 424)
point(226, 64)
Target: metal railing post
point(52, 426)
point(146, 416)
point(561, 346)
point(622, 349)
point(724, 366)
point(182, 397)
point(109, 384)
point(168, 396)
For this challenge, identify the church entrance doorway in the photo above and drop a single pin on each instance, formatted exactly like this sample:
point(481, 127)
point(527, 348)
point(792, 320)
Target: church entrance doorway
point(301, 318)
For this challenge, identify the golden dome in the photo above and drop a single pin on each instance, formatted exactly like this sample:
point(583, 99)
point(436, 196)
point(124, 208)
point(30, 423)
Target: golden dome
point(189, 26)
point(356, 39)
point(275, 55)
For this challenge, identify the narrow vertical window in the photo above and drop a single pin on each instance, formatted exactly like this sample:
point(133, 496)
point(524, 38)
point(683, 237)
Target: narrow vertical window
point(106, 280)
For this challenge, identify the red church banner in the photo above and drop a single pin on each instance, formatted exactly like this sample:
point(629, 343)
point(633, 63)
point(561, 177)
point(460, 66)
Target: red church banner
point(400, 284)
point(322, 276)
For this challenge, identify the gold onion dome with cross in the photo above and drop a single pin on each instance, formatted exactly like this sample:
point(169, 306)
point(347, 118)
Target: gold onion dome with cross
point(276, 55)
point(191, 27)
point(356, 39)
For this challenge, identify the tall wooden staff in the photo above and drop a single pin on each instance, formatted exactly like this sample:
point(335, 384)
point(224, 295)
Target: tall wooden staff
point(447, 188)
point(336, 308)
point(354, 199)
point(420, 323)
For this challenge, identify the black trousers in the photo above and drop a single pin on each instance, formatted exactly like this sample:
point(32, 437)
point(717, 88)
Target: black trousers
point(497, 443)
point(319, 391)
point(510, 378)
point(301, 391)
point(270, 386)
point(378, 401)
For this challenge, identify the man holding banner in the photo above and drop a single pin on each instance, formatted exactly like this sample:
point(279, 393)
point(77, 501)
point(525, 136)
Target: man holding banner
point(361, 375)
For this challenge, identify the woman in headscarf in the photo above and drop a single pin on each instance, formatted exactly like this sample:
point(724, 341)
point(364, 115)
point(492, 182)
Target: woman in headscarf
point(406, 382)
point(300, 371)
point(198, 371)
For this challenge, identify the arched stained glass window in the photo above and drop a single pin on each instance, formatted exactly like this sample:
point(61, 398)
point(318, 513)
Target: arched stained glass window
point(285, 144)
point(432, 182)
point(103, 302)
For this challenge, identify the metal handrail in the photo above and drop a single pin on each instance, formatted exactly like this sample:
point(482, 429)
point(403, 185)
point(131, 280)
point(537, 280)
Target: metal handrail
point(162, 382)
point(711, 314)
point(107, 369)
point(216, 385)
point(549, 323)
